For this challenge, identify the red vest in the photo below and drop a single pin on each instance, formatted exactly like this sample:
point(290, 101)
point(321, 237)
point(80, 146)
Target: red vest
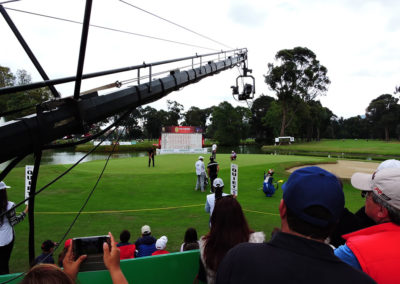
point(127, 251)
point(160, 251)
point(377, 249)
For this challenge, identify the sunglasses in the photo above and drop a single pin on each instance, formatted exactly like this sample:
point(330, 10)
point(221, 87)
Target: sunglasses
point(365, 193)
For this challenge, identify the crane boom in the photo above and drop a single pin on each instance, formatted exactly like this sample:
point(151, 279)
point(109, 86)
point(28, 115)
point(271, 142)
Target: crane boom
point(68, 115)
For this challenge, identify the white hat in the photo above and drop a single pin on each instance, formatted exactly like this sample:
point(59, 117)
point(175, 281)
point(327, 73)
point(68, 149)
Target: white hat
point(146, 230)
point(384, 183)
point(362, 180)
point(201, 158)
point(218, 182)
point(3, 185)
point(162, 242)
point(392, 163)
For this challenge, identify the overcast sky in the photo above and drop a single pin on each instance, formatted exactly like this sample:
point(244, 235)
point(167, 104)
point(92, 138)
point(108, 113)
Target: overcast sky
point(357, 40)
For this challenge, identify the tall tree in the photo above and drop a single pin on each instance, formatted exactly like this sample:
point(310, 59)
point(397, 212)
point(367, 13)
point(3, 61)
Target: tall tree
point(24, 101)
point(245, 116)
point(174, 113)
point(7, 78)
point(296, 74)
point(196, 117)
point(383, 113)
point(152, 123)
point(226, 124)
point(132, 124)
point(260, 107)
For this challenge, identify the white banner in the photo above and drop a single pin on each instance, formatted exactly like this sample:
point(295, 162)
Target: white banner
point(234, 179)
point(28, 181)
point(105, 143)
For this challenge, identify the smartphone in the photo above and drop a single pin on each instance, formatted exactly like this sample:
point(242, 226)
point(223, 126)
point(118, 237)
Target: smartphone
point(93, 248)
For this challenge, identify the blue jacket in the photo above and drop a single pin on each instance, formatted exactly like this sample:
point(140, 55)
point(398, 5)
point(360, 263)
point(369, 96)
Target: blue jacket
point(145, 245)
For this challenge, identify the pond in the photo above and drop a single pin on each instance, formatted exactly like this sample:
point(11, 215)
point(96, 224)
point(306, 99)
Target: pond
point(69, 156)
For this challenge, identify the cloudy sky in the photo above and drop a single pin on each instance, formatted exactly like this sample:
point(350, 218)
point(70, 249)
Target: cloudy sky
point(357, 40)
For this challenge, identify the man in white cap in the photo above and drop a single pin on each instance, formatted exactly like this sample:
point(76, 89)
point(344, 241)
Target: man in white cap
point(376, 250)
point(201, 173)
point(350, 222)
point(146, 244)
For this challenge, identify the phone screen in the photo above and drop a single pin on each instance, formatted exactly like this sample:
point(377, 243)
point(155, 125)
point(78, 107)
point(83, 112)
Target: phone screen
point(89, 245)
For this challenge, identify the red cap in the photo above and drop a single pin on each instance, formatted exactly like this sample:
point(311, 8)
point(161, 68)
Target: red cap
point(67, 243)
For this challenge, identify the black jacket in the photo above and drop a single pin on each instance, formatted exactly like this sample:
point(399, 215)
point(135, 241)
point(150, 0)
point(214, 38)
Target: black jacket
point(287, 259)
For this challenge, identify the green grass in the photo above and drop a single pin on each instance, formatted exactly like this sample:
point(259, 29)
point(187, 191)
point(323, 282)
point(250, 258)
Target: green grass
point(162, 197)
point(360, 146)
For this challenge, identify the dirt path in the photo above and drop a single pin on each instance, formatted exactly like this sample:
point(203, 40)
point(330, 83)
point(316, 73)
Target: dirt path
point(345, 168)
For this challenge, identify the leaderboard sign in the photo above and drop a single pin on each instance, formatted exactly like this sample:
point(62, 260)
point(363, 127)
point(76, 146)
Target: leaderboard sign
point(182, 140)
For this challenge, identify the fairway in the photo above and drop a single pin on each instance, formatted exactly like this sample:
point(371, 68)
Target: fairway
point(130, 194)
point(360, 146)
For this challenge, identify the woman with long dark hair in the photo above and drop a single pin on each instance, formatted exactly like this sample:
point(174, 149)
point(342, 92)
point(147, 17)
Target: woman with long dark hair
point(190, 240)
point(7, 223)
point(228, 228)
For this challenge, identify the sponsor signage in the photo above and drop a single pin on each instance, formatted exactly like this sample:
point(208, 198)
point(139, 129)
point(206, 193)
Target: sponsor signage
point(28, 181)
point(234, 179)
point(182, 129)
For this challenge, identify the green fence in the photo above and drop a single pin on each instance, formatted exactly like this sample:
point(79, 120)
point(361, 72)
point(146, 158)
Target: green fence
point(174, 268)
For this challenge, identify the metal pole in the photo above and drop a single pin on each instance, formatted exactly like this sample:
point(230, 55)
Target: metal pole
point(28, 50)
point(82, 50)
point(31, 208)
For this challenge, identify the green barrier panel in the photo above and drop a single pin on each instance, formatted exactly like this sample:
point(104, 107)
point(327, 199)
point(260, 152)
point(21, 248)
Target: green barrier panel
point(174, 268)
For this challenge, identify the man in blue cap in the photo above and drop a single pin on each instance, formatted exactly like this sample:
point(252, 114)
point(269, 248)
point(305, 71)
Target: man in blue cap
point(312, 202)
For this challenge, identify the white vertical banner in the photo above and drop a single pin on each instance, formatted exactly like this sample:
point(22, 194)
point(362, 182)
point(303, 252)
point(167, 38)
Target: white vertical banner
point(234, 179)
point(28, 181)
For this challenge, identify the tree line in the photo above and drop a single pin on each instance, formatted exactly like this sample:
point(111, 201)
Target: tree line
point(296, 78)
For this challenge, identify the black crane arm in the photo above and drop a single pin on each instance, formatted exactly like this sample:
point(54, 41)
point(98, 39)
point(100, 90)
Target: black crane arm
point(71, 116)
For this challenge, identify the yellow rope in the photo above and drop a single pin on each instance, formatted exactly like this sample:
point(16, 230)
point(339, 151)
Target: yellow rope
point(259, 212)
point(119, 211)
point(143, 209)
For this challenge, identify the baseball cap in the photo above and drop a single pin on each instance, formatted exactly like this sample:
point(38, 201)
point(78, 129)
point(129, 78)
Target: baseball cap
point(312, 186)
point(362, 181)
point(392, 163)
point(384, 183)
point(218, 182)
point(47, 245)
point(201, 158)
point(161, 243)
point(146, 229)
point(3, 185)
point(67, 243)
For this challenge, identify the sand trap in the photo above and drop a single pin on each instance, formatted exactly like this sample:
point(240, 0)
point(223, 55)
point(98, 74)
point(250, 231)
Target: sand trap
point(345, 168)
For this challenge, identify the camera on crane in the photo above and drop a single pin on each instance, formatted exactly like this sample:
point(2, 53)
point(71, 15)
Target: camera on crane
point(248, 90)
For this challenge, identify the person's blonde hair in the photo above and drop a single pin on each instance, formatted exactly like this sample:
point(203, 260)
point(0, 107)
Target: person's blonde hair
point(46, 274)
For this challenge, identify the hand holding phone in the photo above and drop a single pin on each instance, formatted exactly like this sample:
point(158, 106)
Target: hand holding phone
point(112, 262)
point(93, 248)
point(71, 266)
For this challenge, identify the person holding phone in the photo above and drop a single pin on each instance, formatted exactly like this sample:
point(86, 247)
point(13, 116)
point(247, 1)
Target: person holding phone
point(110, 257)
